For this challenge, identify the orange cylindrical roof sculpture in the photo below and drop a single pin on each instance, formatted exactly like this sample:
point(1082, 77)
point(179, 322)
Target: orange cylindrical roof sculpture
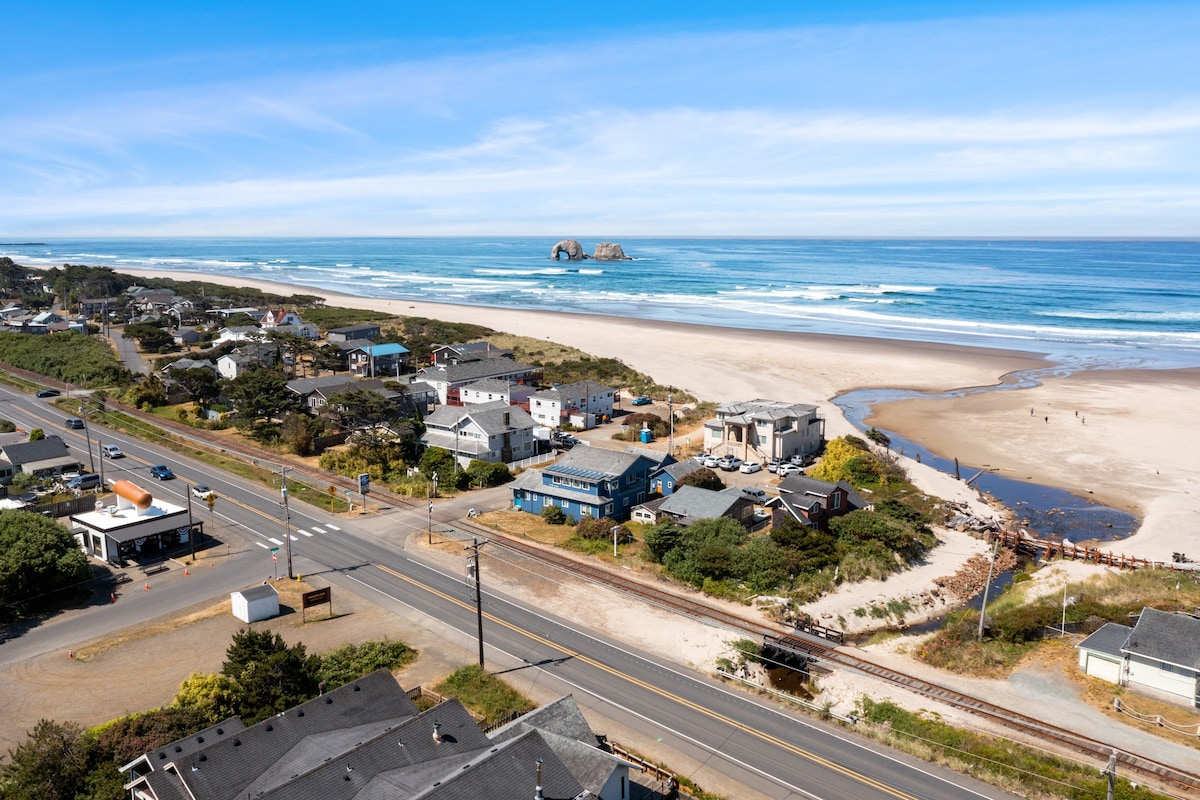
point(135, 494)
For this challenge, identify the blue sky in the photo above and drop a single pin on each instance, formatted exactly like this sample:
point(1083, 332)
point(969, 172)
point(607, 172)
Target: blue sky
point(798, 119)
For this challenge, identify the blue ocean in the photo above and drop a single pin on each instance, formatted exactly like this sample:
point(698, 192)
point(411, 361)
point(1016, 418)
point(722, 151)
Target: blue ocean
point(1109, 302)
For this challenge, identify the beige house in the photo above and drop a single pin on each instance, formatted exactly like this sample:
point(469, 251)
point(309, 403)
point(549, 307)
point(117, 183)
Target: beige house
point(757, 430)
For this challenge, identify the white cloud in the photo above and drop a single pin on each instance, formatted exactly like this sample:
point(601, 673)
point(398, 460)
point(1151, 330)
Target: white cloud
point(772, 129)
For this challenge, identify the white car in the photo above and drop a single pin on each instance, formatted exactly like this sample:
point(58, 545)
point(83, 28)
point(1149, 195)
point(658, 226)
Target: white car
point(755, 494)
point(202, 492)
point(789, 469)
point(750, 467)
point(712, 462)
point(730, 463)
point(112, 451)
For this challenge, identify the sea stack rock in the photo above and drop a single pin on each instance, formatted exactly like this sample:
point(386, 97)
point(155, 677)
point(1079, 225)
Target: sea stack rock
point(572, 249)
point(610, 251)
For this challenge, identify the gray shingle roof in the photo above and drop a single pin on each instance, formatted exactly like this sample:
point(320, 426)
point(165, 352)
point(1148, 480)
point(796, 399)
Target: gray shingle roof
point(1108, 640)
point(30, 452)
point(363, 744)
point(304, 386)
point(1167, 637)
point(227, 765)
point(696, 503)
point(476, 370)
point(596, 462)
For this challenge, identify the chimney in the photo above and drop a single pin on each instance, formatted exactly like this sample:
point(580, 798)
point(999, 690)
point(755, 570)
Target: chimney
point(537, 790)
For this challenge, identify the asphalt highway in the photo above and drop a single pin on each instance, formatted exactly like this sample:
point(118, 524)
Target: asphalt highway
point(775, 752)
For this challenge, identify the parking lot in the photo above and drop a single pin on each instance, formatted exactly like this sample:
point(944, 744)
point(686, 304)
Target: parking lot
point(686, 442)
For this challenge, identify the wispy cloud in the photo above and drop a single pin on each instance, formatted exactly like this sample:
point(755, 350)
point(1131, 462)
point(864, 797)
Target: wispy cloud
point(859, 128)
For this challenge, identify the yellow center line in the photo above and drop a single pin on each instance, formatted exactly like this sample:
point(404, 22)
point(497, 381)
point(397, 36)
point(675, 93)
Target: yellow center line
point(758, 734)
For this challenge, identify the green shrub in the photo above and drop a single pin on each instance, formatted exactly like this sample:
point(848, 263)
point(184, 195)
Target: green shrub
point(484, 693)
point(553, 515)
point(350, 662)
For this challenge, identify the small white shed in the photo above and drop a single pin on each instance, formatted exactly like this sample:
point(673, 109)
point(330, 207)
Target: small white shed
point(255, 603)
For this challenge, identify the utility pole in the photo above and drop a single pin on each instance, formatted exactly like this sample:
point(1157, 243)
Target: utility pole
point(287, 525)
point(191, 527)
point(88, 435)
point(473, 569)
point(671, 418)
point(1110, 769)
point(986, 586)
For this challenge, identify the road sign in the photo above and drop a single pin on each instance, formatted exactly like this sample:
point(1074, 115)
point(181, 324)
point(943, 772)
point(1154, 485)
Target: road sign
point(332, 490)
point(274, 549)
point(275, 557)
point(211, 499)
point(364, 482)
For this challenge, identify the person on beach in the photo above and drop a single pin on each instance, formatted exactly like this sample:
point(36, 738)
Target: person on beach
point(1047, 419)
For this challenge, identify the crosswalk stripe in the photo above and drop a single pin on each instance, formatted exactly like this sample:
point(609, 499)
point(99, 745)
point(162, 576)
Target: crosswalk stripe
point(273, 540)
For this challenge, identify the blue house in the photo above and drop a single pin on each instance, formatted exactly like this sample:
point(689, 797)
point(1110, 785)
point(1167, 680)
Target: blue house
point(587, 481)
point(377, 360)
point(665, 478)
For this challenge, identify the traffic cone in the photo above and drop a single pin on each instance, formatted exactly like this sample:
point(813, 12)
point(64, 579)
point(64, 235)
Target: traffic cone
point(147, 586)
point(112, 597)
point(70, 654)
point(185, 572)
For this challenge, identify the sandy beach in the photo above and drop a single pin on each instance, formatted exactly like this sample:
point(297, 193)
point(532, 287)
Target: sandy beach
point(1131, 446)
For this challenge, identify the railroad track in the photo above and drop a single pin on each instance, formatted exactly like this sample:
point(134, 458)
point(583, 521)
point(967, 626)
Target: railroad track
point(824, 653)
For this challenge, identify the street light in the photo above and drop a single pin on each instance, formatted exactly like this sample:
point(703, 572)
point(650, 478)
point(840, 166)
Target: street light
point(615, 530)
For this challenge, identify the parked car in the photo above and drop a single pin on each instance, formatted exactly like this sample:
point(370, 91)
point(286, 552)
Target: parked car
point(755, 494)
point(701, 457)
point(27, 498)
point(641, 400)
point(730, 463)
point(789, 469)
point(712, 462)
point(750, 467)
point(772, 465)
point(801, 461)
point(162, 472)
point(74, 423)
point(49, 393)
point(202, 492)
point(112, 451)
point(88, 480)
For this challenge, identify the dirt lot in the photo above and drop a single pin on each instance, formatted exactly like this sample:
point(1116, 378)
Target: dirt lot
point(143, 666)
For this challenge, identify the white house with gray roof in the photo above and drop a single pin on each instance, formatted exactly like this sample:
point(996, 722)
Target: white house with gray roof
point(494, 432)
point(758, 430)
point(491, 389)
point(690, 503)
point(581, 404)
point(1158, 656)
point(449, 379)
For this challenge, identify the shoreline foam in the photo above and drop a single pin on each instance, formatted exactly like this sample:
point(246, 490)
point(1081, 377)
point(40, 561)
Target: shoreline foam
point(1133, 446)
